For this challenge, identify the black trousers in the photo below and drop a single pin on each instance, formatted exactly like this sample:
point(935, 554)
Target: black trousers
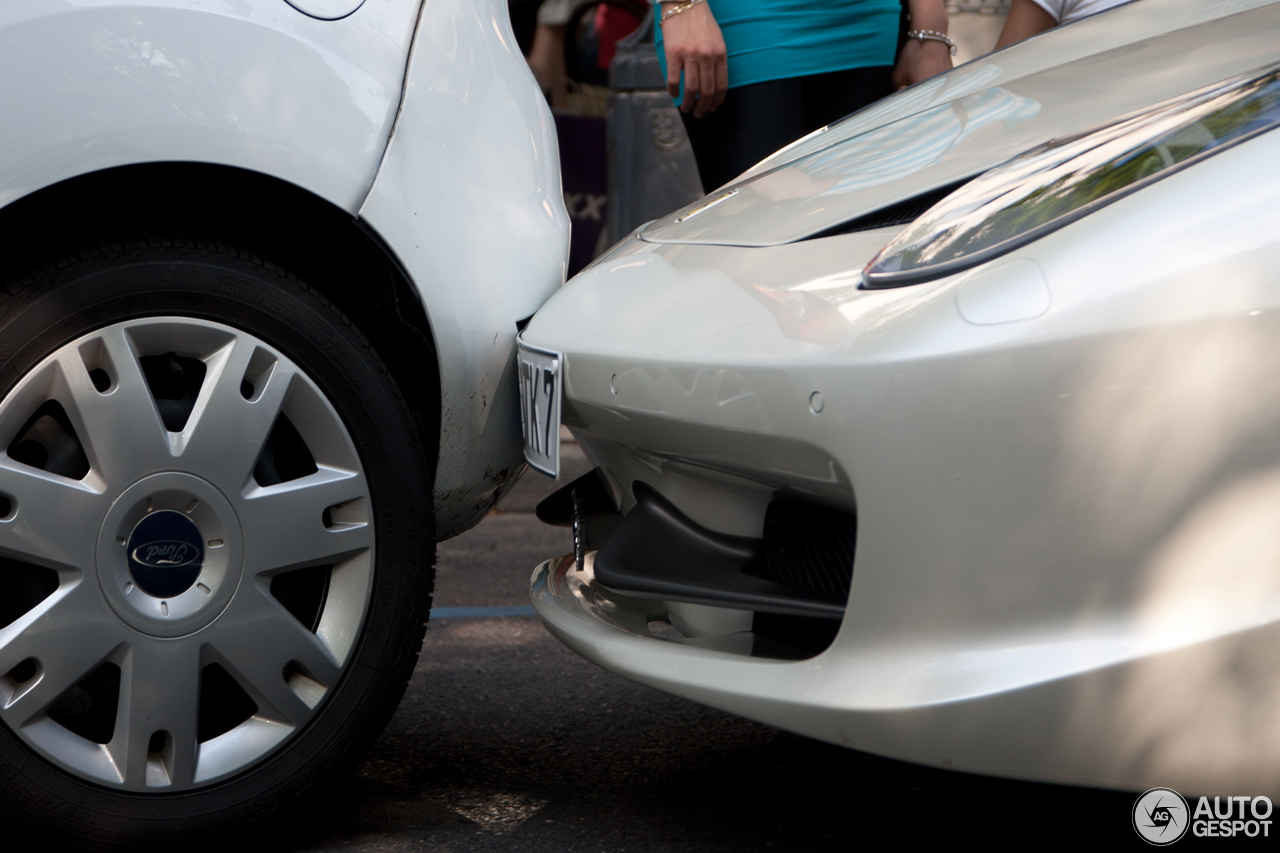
point(756, 120)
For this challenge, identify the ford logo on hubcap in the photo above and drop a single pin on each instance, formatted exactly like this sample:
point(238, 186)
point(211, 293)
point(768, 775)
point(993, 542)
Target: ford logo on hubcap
point(166, 553)
point(157, 555)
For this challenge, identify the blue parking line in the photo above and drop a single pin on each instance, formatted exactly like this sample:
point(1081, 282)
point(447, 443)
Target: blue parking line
point(472, 612)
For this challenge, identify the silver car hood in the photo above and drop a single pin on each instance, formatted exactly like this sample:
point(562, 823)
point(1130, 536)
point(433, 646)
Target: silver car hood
point(962, 123)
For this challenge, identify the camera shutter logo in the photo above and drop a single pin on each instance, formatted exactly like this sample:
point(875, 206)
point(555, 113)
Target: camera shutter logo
point(1161, 817)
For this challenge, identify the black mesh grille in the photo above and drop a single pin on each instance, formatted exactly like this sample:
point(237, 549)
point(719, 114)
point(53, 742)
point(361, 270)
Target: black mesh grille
point(808, 546)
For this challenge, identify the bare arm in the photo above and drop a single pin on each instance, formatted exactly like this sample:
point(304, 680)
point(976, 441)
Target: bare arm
point(546, 59)
point(694, 45)
point(1025, 20)
point(920, 60)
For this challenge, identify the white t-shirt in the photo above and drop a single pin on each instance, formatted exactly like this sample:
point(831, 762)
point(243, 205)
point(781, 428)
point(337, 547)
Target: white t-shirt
point(1064, 11)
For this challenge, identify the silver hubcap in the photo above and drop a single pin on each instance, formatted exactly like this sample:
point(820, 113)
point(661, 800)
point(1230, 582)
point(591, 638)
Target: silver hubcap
point(165, 649)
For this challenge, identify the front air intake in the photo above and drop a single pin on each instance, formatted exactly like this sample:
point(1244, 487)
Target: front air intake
point(801, 567)
point(807, 546)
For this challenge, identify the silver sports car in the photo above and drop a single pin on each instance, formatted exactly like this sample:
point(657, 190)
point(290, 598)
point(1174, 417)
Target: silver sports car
point(952, 432)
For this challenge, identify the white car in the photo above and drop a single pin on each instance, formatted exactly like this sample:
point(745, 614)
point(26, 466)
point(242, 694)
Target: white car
point(264, 263)
point(952, 432)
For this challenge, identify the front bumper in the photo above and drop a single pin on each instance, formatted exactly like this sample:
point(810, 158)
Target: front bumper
point(1145, 720)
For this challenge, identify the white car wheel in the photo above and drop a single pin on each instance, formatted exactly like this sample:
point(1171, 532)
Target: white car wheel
point(215, 547)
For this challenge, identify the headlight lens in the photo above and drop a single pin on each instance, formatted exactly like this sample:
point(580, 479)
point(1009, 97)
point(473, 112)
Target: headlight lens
point(1065, 179)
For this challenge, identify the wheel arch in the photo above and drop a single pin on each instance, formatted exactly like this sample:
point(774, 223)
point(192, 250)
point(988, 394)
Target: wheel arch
point(338, 254)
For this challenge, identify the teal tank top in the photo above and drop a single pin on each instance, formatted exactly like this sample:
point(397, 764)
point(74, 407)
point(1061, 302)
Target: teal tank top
point(777, 39)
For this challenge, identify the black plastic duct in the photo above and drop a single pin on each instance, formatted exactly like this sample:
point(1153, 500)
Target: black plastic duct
point(658, 552)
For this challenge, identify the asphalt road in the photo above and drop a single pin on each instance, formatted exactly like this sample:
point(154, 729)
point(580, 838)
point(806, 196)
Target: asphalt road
point(506, 741)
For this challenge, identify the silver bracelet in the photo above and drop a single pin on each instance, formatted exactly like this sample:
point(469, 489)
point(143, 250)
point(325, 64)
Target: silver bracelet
point(683, 7)
point(933, 35)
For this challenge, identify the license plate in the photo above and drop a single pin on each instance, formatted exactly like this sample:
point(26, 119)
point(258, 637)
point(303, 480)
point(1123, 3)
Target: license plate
point(540, 372)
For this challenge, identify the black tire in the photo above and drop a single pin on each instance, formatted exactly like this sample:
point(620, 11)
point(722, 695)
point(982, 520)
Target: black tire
point(161, 276)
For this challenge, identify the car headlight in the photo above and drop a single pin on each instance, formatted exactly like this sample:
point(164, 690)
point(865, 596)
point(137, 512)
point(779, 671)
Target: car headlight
point(1065, 179)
